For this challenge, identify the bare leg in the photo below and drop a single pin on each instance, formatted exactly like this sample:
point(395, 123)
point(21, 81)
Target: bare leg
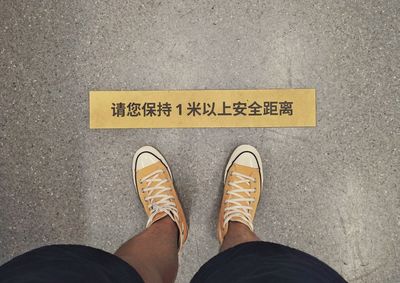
point(238, 233)
point(154, 252)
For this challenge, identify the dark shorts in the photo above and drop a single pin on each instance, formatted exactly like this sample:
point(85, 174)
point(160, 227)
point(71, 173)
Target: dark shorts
point(249, 262)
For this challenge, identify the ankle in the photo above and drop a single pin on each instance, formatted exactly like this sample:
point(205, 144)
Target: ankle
point(165, 223)
point(167, 228)
point(238, 227)
point(238, 233)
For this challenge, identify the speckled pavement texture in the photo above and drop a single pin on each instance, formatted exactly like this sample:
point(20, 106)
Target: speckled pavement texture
point(331, 191)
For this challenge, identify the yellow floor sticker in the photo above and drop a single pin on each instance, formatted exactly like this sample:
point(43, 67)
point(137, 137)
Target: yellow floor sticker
point(203, 108)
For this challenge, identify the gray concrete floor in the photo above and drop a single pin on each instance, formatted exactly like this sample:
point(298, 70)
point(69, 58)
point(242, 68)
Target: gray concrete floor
point(331, 191)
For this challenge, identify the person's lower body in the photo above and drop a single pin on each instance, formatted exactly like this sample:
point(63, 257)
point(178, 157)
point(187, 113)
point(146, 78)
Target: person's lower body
point(249, 262)
point(152, 255)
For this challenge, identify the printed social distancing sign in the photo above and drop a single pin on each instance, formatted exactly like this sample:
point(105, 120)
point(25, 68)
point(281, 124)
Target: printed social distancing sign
point(203, 108)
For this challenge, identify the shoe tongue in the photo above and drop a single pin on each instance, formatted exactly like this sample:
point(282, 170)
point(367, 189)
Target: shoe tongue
point(244, 185)
point(247, 171)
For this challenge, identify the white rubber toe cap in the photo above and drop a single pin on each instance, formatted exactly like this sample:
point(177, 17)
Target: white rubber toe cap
point(145, 159)
point(247, 159)
point(146, 156)
point(245, 155)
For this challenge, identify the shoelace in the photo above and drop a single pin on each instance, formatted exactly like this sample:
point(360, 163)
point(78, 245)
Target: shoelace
point(158, 200)
point(238, 209)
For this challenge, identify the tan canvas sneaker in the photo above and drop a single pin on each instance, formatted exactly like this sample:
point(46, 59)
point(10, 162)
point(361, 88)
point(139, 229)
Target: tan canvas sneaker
point(153, 181)
point(243, 183)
